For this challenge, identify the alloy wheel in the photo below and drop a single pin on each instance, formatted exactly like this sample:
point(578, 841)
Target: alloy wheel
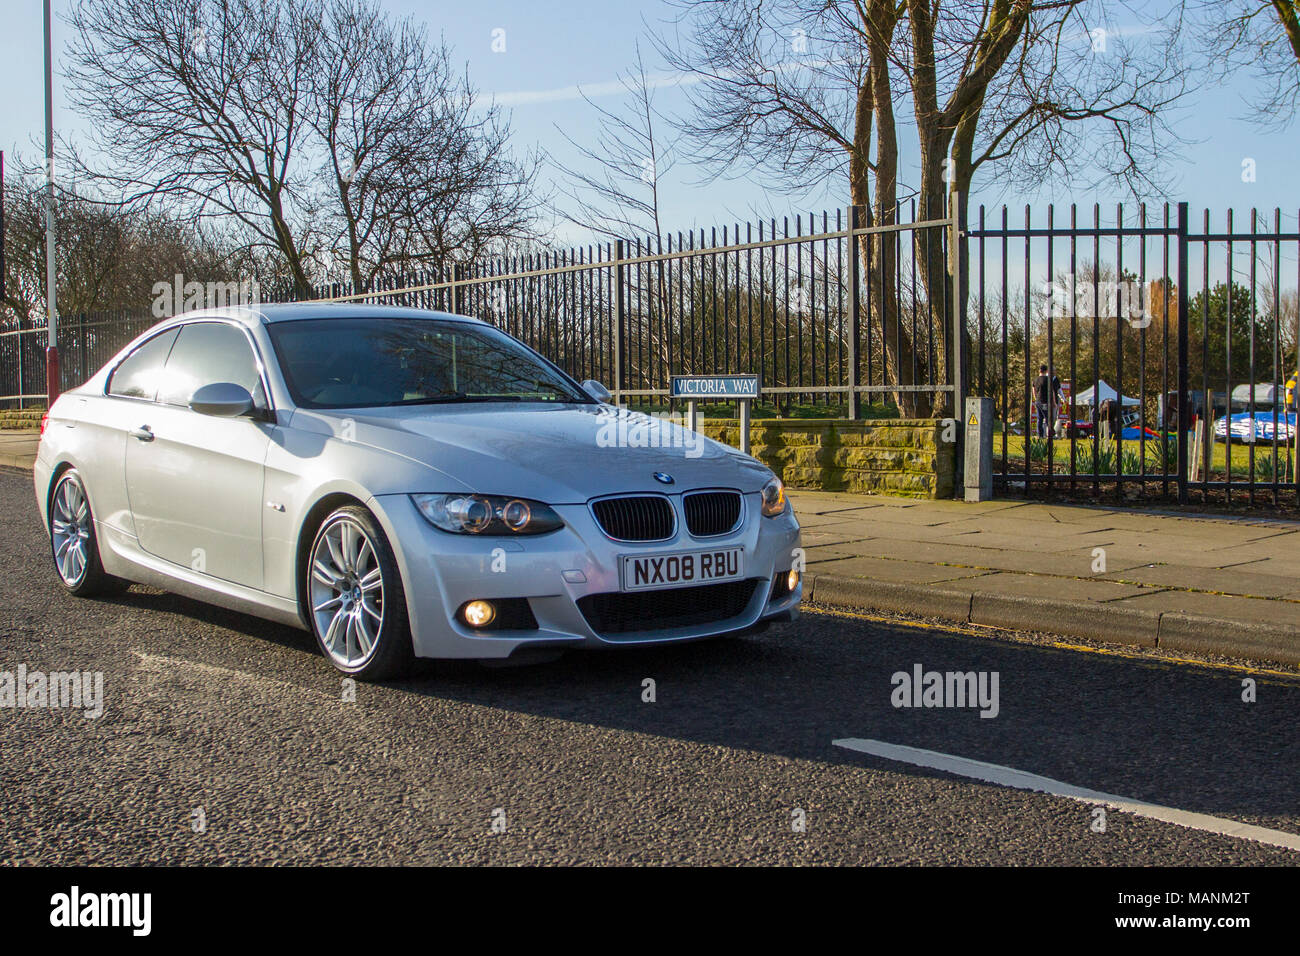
point(347, 592)
point(70, 530)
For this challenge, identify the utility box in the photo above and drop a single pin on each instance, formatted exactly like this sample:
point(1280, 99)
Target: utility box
point(979, 449)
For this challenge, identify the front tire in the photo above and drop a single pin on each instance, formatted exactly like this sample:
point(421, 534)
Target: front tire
point(356, 603)
point(73, 543)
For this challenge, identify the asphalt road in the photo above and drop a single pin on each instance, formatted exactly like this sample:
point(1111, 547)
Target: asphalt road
point(243, 719)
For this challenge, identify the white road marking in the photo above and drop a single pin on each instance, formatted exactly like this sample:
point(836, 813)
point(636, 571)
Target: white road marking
point(1021, 780)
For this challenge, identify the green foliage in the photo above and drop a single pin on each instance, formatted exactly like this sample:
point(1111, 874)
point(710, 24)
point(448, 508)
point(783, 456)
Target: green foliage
point(1100, 461)
point(763, 410)
point(1265, 470)
point(1221, 333)
point(1131, 459)
point(1038, 449)
point(1163, 455)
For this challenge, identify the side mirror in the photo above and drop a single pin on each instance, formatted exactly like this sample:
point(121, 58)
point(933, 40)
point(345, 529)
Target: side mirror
point(597, 391)
point(222, 399)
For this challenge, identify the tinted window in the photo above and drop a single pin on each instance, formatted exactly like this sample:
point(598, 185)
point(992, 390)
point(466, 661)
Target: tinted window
point(141, 371)
point(208, 352)
point(354, 363)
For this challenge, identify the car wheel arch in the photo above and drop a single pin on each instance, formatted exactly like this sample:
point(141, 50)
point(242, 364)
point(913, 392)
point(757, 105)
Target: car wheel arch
point(57, 473)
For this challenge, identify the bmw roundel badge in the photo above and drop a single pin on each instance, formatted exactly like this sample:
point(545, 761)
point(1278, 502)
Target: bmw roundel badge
point(663, 479)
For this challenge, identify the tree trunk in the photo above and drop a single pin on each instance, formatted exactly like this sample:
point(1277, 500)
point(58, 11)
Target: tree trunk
point(284, 240)
point(931, 264)
point(878, 251)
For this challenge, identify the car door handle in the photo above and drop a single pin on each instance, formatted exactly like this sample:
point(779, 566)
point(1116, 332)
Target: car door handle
point(144, 433)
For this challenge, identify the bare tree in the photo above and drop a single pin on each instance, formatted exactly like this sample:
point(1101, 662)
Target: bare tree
point(24, 259)
point(805, 89)
point(1263, 35)
point(201, 103)
point(419, 174)
point(615, 188)
point(326, 132)
point(107, 259)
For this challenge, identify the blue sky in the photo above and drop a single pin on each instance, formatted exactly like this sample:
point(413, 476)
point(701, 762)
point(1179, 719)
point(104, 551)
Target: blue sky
point(553, 48)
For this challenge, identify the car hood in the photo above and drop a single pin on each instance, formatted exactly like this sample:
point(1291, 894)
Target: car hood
point(561, 454)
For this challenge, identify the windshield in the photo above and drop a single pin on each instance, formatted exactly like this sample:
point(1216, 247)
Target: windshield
point(371, 362)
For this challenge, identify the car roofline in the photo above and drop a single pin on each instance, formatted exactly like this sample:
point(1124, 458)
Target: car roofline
point(255, 314)
point(273, 313)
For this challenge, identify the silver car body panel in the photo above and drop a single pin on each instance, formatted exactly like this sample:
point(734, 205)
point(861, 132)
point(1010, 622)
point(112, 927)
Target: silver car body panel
point(221, 509)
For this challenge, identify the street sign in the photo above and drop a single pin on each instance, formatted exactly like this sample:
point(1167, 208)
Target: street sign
point(741, 389)
point(723, 388)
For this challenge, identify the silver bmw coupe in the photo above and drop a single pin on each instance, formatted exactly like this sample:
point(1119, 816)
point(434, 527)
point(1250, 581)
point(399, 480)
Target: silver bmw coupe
point(404, 484)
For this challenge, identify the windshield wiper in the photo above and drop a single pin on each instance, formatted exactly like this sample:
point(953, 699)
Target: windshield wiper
point(462, 398)
point(436, 399)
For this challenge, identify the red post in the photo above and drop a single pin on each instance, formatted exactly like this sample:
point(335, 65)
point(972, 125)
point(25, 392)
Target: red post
point(51, 375)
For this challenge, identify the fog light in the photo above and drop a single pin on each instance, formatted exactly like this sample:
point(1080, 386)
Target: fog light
point(792, 581)
point(479, 613)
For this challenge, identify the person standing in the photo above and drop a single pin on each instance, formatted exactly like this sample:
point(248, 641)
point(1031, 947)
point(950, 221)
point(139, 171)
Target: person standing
point(1110, 419)
point(1047, 400)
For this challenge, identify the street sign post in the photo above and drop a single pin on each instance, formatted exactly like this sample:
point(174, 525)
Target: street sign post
point(741, 389)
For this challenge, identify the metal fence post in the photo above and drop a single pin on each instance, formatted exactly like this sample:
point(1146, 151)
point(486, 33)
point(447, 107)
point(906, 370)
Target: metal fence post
point(744, 426)
point(855, 399)
point(957, 272)
point(620, 320)
point(22, 382)
point(83, 344)
point(957, 351)
point(1184, 386)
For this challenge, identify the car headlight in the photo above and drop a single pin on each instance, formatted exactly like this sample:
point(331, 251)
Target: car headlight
point(773, 498)
point(487, 514)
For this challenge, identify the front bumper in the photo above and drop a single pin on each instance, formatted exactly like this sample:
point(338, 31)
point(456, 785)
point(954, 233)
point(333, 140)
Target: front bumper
point(553, 572)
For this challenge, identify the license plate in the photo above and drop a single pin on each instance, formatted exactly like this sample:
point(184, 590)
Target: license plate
point(643, 572)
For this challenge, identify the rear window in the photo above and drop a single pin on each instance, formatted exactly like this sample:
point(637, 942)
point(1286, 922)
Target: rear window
point(140, 373)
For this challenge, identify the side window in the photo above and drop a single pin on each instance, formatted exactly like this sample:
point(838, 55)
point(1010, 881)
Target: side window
point(208, 352)
point(141, 372)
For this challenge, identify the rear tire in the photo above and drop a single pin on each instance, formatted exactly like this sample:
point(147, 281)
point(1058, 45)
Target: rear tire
point(73, 543)
point(355, 600)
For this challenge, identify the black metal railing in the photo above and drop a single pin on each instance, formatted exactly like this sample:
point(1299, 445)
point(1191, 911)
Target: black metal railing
point(788, 300)
point(1188, 327)
point(825, 308)
point(1171, 386)
point(86, 343)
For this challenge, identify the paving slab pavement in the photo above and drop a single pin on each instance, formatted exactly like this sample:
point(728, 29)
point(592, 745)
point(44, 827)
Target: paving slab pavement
point(1205, 583)
point(18, 447)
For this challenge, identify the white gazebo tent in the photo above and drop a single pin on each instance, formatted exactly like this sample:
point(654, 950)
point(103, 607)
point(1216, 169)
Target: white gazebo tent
point(1100, 392)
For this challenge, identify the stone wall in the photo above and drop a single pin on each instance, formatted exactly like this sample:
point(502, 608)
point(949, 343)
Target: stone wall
point(904, 457)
